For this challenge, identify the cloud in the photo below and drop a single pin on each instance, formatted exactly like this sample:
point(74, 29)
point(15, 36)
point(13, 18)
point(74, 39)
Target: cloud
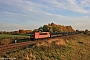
point(31, 13)
point(67, 5)
point(76, 23)
point(72, 5)
point(5, 26)
point(84, 2)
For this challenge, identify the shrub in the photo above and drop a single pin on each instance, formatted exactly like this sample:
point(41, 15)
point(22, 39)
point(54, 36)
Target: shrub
point(5, 41)
point(87, 32)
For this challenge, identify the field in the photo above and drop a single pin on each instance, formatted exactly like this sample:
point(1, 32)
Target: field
point(10, 35)
point(73, 47)
point(11, 38)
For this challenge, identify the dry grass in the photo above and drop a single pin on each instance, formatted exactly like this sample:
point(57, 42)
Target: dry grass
point(60, 42)
point(75, 47)
point(5, 41)
point(49, 42)
point(42, 44)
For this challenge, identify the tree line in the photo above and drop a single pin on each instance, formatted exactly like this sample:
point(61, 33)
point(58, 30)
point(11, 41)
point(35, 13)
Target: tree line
point(51, 27)
point(21, 31)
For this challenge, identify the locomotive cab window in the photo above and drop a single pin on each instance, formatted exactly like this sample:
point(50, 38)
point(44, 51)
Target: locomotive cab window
point(43, 34)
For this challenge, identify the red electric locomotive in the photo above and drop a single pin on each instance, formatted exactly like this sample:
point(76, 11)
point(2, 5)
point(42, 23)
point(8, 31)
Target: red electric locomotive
point(38, 35)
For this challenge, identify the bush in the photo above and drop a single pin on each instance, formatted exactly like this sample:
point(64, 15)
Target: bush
point(5, 41)
point(87, 32)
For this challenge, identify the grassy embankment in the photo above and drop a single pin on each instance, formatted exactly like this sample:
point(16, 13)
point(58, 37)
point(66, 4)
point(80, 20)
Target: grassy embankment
point(76, 47)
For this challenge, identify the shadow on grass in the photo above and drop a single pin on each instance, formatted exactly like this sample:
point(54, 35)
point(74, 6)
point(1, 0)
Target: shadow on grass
point(80, 42)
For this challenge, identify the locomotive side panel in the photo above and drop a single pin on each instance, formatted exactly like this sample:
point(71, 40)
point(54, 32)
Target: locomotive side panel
point(44, 35)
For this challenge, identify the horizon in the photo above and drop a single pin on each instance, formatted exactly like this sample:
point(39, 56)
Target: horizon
point(31, 14)
point(42, 26)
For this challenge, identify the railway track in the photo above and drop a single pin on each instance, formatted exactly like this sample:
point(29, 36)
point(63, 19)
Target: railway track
point(16, 46)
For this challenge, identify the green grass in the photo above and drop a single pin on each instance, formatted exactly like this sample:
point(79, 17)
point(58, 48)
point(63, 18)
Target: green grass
point(10, 35)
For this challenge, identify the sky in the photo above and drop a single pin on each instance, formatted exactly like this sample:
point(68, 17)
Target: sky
point(31, 14)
